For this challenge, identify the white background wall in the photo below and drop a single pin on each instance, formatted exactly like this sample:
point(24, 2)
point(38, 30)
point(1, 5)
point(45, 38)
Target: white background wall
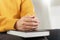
point(49, 18)
point(42, 14)
point(55, 14)
point(55, 2)
point(55, 17)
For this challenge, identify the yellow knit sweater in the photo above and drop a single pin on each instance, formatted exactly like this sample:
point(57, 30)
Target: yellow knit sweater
point(13, 10)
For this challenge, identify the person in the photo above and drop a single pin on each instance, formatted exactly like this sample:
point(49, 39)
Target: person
point(16, 15)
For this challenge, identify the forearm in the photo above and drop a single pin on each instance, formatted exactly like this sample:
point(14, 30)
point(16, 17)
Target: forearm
point(7, 24)
point(27, 8)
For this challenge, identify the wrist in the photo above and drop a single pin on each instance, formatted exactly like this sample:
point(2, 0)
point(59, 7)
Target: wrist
point(15, 26)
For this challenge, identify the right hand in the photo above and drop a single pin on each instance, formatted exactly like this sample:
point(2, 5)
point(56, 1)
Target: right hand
point(27, 23)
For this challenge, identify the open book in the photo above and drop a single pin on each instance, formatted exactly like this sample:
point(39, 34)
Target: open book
point(29, 34)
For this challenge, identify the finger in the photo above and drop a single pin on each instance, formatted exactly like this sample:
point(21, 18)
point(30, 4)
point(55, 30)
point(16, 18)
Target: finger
point(32, 20)
point(29, 27)
point(30, 16)
point(30, 24)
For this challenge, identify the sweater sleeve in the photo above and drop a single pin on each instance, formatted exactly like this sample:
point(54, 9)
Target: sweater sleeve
point(7, 24)
point(27, 8)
